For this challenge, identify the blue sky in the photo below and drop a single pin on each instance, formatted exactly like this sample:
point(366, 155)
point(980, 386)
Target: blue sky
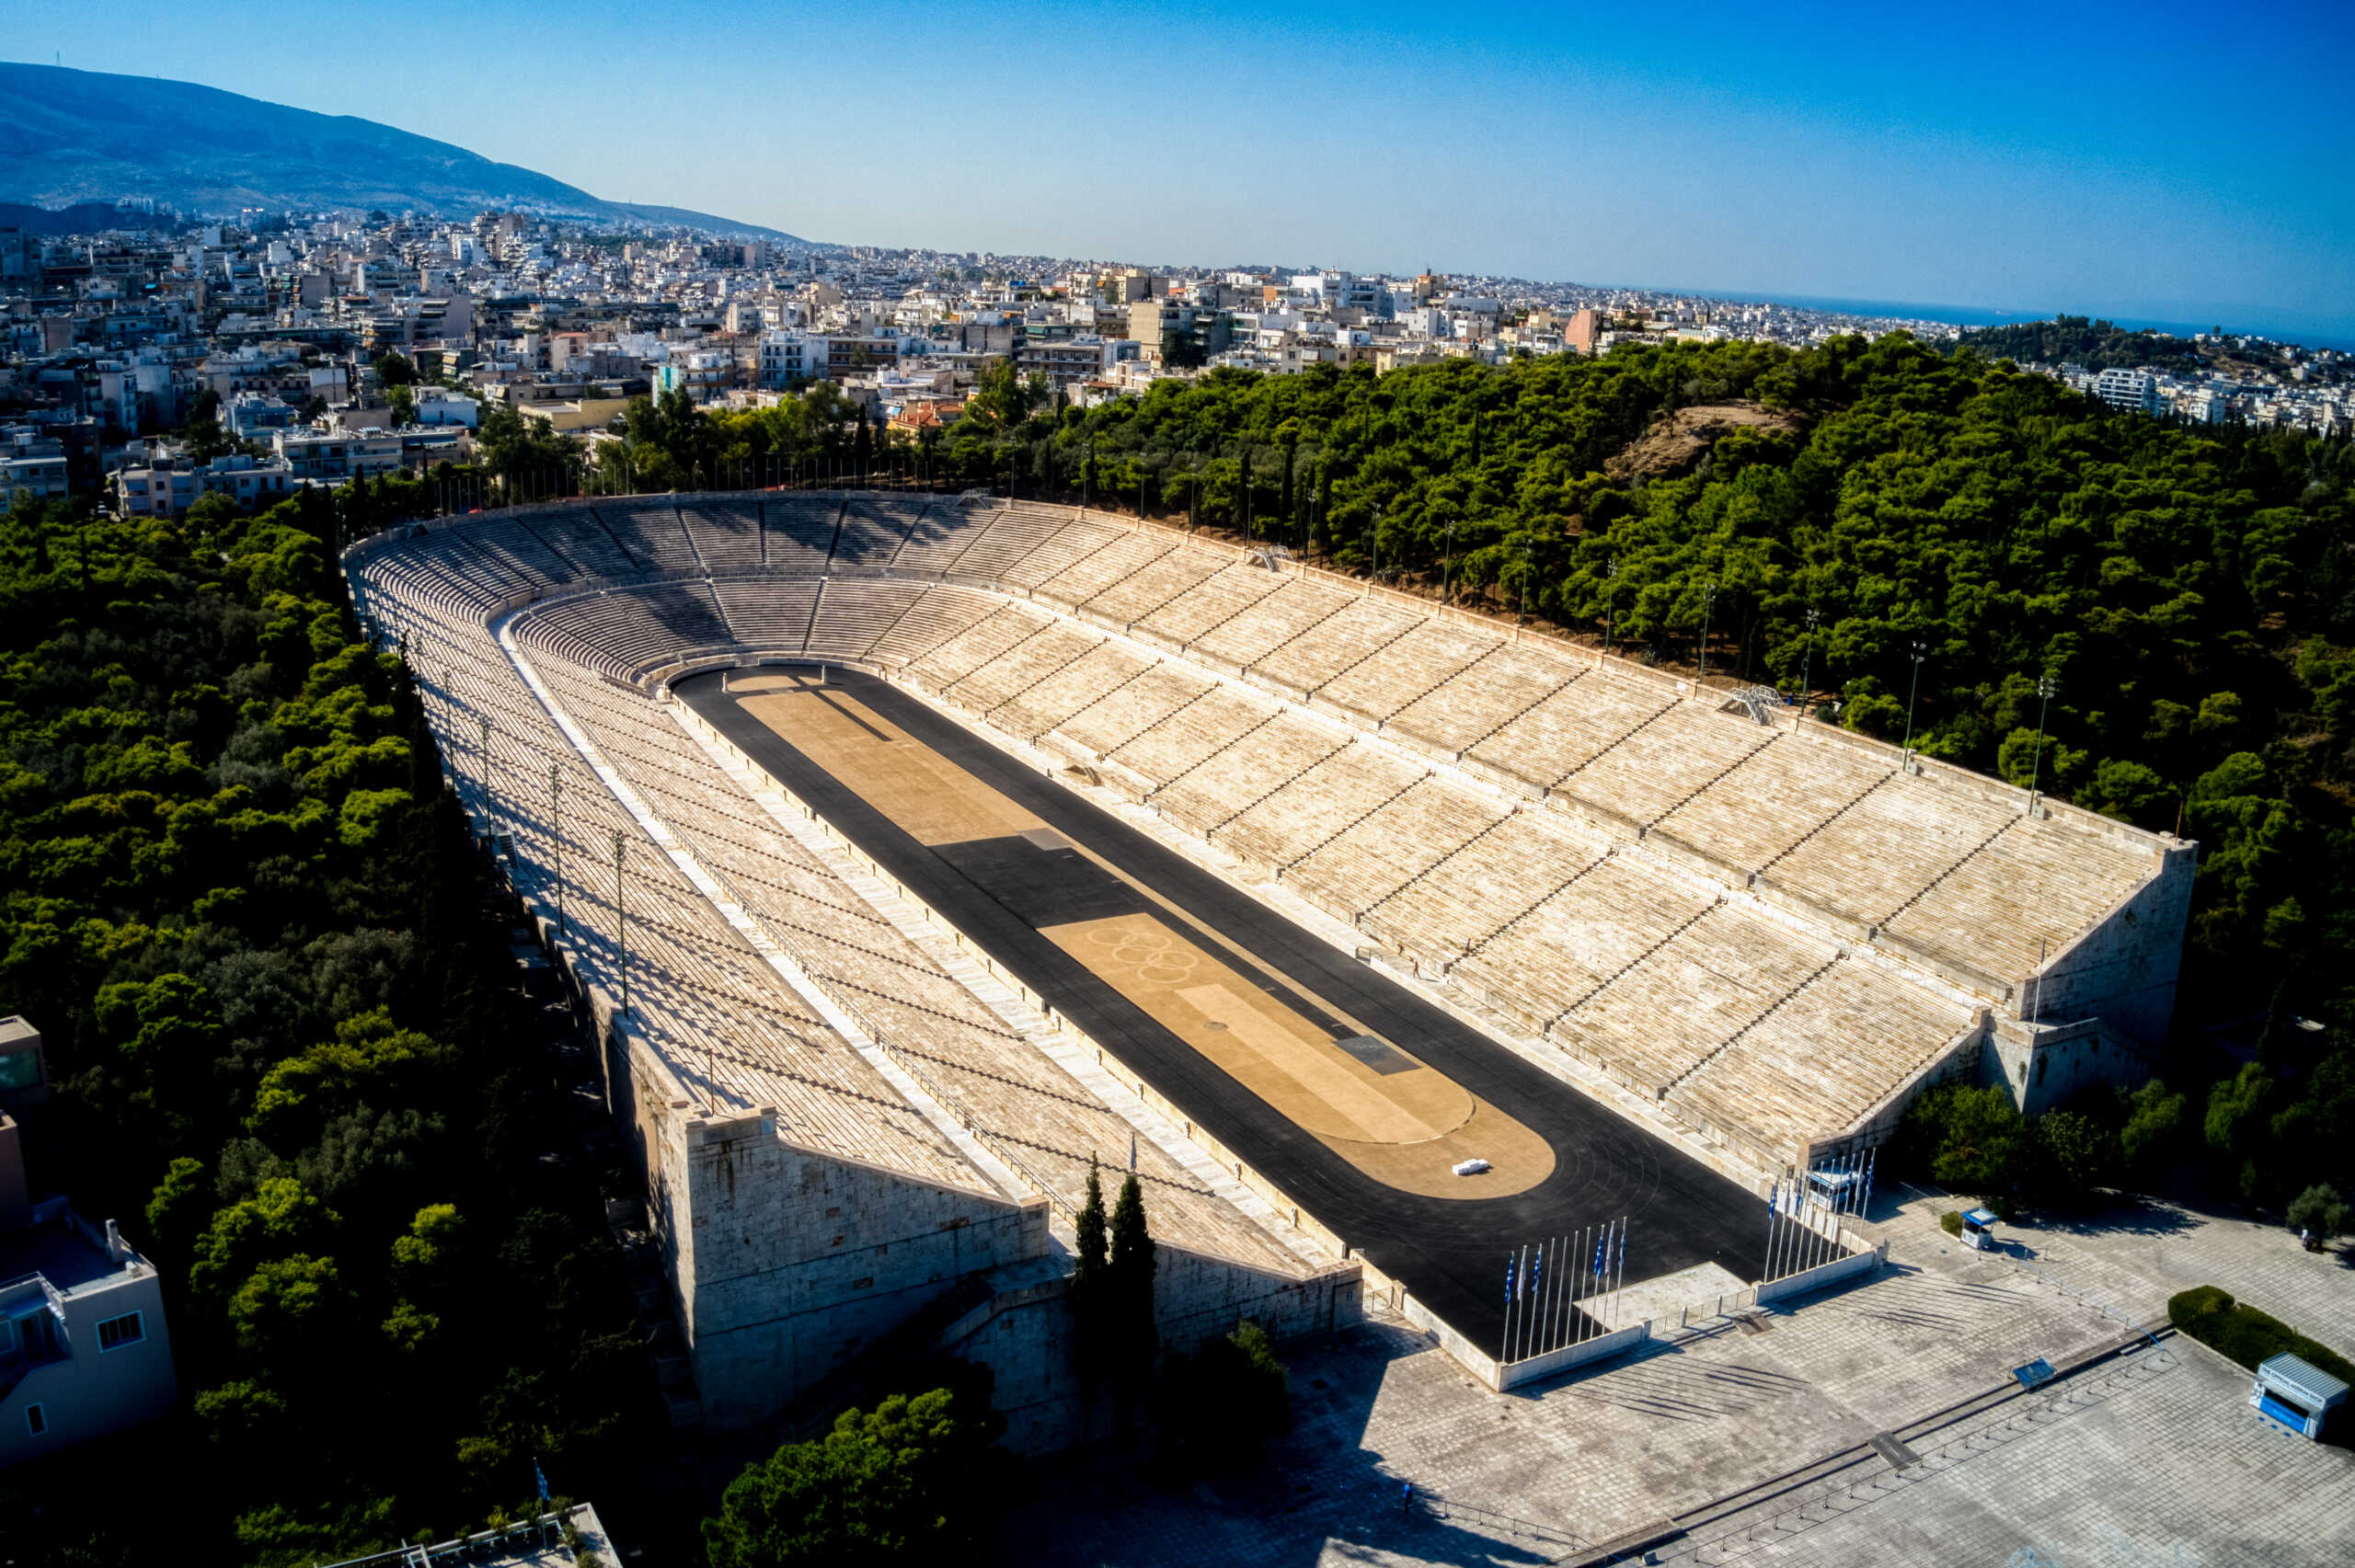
point(2163, 160)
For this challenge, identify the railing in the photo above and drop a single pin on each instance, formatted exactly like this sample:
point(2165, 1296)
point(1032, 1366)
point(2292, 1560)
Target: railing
point(534, 1534)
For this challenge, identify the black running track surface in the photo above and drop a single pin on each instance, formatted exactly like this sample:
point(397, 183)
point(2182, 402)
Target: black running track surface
point(1450, 1252)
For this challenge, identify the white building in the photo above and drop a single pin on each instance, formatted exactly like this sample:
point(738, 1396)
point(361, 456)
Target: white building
point(168, 487)
point(2128, 389)
point(83, 1351)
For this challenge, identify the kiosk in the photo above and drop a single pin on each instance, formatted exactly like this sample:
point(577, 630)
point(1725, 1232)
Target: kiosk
point(2297, 1393)
point(1979, 1229)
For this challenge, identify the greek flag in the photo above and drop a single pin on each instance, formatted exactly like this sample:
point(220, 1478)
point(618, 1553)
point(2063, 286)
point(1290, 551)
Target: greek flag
point(1537, 1274)
point(1508, 1279)
point(1602, 1250)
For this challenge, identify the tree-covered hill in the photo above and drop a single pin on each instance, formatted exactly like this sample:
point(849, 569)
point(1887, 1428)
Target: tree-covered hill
point(288, 1056)
point(2096, 345)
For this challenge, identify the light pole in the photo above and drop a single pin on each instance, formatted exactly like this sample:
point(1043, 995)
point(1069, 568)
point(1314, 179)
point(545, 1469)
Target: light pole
point(621, 911)
point(1920, 650)
point(489, 812)
point(1609, 599)
point(556, 829)
point(1447, 566)
point(1807, 666)
point(1708, 607)
point(2045, 686)
point(1520, 612)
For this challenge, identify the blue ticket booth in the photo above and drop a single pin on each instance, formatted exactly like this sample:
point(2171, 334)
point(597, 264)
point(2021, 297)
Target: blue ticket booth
point(2297, 1393)
point(1979, 1229)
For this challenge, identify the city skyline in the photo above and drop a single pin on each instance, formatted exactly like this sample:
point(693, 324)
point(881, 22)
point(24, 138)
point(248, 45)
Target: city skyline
point(1989, 171)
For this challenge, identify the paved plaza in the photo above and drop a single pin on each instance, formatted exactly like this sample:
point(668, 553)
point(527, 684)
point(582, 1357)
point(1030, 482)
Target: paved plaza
point(1874, 1425)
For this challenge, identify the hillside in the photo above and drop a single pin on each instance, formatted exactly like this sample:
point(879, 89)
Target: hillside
point(68, 137)
point(2096, 345)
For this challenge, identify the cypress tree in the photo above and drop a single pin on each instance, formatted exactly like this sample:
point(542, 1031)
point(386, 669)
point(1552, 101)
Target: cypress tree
point(1089, 1290)
point(1128, 1290)
point(1093, 1251)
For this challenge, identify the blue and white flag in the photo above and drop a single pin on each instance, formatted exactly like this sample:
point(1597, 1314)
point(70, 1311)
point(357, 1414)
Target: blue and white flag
point(1602, 1250)
point(1537, 1274)
point(542, 1479)
point(1508, 1279)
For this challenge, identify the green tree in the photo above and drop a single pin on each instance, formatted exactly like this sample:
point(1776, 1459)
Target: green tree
point(2320, 1209)
point(905, 1482)
point(1222, 1406)
point(1128, 1325)
point(395, 369)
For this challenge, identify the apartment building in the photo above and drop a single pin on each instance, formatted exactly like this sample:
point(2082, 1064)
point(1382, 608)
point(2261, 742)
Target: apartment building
point(83, 1349)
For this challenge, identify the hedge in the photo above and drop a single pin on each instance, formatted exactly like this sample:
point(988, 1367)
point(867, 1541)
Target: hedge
point(2246, 1335)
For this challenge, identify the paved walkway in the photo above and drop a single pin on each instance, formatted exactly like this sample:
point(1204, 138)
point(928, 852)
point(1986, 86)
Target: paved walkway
point(2135, 1253)
point(1761, 1439)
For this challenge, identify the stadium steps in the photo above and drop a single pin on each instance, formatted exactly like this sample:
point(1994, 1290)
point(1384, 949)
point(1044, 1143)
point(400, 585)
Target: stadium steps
point(689, 534)
point(1708, 784)
point(1267, 795)
point(915, 522)
point(1316, 625)
point(578, 572)
point(1072, 565)
point(614, 539)
point(1179, 777)
point(1029, 686)
point(1764, 1014)
point(1378, 806)
point(1103, 696)
point(1191, 643)
point(1501, 725)
point(1165, 718)
point(1569, 882)
point(1928, 887)
point(1641, 725)
point(952, 634)
point(810, 629)
point(885, 635)
point(1608, 980)
point(1796, 844)
point(719, 607)
point(948, 687)
point(1435, 865)
point(842, 508)
point(1424, 691)
point(1146, 565)
point(1411, 628)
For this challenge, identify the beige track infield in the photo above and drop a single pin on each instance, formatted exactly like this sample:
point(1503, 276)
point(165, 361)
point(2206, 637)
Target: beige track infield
point(1405, 1127)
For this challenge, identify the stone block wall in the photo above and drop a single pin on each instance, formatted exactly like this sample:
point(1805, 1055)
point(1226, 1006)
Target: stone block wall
point(1023, 1334)
point(2123, 971)
point(788, 1261)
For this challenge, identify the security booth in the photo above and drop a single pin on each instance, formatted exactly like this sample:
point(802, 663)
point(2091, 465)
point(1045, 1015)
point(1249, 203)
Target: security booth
point(2297, 1393)
point(1979, 1229)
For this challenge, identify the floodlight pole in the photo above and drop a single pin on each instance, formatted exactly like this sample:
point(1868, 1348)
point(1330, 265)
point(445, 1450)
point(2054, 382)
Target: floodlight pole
point(1609, 599)
point(555, 828)
point(489, 814)
point(2045, 686)
point(1920, 650)
point(1708, 615)
point(1447, 568)
point(621, 911)
point(1807, 668)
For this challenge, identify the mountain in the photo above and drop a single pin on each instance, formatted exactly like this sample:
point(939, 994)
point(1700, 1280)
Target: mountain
point(69, 137)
